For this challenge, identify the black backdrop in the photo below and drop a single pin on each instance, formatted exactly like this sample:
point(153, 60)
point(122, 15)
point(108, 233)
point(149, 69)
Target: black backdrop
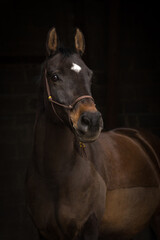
point(123, 49)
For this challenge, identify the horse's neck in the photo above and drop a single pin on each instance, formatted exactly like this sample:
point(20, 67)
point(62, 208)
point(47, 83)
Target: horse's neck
point(54, 146)
point(59, 139)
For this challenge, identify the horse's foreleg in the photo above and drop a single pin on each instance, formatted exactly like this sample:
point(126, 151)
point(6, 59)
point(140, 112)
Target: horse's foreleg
point(90, 229)
point(156, 226)
point(41, 237)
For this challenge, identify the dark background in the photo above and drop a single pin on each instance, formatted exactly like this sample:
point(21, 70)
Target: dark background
point(123, 49)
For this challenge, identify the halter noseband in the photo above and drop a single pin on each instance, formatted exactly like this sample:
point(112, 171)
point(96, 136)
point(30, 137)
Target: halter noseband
point(69, 107)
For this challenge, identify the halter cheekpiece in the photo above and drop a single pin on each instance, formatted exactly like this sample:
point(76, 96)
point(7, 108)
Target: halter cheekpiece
point(69, 107)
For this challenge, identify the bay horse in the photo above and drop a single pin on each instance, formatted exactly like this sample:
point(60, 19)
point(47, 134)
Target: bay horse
point(83, 183)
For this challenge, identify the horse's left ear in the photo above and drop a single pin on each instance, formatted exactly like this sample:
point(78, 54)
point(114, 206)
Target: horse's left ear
point(79, 42)
point(51, 44)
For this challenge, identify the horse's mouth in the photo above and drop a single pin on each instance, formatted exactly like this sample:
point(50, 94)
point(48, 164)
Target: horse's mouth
point(88, 136)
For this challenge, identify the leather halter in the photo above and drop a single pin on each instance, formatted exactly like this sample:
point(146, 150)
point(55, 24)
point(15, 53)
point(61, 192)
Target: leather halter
point(69, 107)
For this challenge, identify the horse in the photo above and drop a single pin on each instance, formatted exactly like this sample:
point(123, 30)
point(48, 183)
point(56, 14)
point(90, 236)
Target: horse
point(84, 183)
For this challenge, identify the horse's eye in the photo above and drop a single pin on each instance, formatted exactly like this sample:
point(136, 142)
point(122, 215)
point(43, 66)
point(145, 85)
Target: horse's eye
point(54, 77)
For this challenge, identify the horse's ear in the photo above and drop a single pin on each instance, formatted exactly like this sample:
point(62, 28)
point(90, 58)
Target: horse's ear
point(79, 42)
point(52, 42)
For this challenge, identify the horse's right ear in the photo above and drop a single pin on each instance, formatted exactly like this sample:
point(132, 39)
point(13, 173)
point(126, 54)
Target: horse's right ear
point(51, 44)
point(79, 42)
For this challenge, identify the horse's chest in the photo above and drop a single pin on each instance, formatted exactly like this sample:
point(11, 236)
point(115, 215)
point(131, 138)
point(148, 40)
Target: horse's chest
point(63, 207)
point(76, 205)
point(72, 217)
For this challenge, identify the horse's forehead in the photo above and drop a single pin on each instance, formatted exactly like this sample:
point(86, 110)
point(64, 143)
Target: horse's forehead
point(73, 63)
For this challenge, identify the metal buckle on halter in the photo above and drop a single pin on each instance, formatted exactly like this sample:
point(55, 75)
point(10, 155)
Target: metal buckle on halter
point(82, 145)
point(50, 98)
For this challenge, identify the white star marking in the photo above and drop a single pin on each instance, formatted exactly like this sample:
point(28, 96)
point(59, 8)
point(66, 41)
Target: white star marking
point(76, 68)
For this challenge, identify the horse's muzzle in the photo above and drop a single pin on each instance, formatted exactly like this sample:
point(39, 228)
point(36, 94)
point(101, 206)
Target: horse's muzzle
point(89, 126)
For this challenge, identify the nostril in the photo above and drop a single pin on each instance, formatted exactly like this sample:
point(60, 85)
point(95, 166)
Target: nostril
point(89, 123)
point(83, 124)
point(85, 120)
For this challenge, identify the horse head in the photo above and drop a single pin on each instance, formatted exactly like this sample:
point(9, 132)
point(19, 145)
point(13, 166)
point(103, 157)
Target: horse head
point(68, 87)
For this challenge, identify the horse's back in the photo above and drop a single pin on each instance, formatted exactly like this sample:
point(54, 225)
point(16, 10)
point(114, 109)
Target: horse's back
point(132, 158)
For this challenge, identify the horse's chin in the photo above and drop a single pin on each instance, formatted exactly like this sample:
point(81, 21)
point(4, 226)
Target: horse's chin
point(88, 137)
